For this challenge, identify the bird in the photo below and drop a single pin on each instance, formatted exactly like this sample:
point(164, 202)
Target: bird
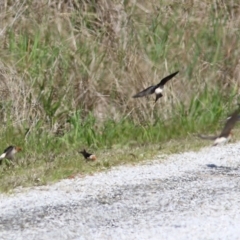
point(237, 119)
point(157, 89)
point(226, 133)
point(88, 156)
point(9, 153)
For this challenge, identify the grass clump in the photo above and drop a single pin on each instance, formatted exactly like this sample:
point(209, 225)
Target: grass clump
point(69, 69)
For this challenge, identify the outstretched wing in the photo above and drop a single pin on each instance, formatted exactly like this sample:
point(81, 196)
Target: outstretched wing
point(166, 79)
point(230, 124)
point(207, 137)
point(145, 92)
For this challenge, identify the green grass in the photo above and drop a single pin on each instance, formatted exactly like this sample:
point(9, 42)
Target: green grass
point(68, 73)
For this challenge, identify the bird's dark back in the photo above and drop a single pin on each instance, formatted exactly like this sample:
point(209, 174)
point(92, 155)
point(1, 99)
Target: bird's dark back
point(85, 153)
point(8, 148)
point(230, 124)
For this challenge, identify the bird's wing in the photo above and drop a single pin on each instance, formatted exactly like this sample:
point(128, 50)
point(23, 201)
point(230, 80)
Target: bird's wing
point(207, 137)
point(88, 154)
point(147, 91)
point(166, 79)
point(230, 124)
point(85, 153)
point(8, 149)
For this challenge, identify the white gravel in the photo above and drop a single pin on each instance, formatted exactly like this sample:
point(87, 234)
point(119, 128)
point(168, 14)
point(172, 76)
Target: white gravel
point(192, 195)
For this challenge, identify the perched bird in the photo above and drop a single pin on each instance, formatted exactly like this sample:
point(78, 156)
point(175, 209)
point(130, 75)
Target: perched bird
point(157, 89)
point(88, 156)
point(226, 133)
point(9, 153)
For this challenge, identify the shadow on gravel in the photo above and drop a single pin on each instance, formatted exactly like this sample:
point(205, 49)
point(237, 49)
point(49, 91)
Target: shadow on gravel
point(223, 168)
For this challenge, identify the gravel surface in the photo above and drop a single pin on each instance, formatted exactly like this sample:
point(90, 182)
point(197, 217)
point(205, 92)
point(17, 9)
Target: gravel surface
point(192, 195)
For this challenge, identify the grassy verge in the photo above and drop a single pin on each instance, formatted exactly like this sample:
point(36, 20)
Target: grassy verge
point(69, 70)
point(35, 170)
point(50, 159)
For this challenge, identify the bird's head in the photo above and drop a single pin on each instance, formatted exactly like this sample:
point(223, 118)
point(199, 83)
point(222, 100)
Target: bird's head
point(18, 149)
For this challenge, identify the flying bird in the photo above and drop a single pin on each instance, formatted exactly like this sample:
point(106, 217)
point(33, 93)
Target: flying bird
point(9, 153)
point(157, 89)
point(226, 133)
point(88, 156)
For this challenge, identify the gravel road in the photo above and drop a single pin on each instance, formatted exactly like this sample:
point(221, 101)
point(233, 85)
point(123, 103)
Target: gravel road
point(192, 195)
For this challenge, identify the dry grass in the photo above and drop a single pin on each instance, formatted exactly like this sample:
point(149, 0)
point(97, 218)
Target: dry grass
point(94, 55)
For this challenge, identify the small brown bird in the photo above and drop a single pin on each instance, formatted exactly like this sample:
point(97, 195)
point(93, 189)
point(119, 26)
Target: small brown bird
point(9, 153)
point(157, 89)
point(88, 156)
point(226, 133)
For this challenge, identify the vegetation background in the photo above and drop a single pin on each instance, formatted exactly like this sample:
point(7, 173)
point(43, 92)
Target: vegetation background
point(69, 68)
